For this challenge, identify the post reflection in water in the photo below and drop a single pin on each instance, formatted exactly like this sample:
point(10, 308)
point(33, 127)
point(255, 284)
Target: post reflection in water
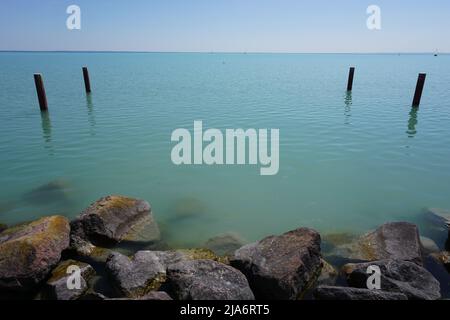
point(413, 122)
point(91, 114)
point(348, 107)
point(47, 130)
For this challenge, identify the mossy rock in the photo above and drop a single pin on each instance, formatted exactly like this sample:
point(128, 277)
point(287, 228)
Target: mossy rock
point(202, 254)
point(29, 251)
point(115, 218)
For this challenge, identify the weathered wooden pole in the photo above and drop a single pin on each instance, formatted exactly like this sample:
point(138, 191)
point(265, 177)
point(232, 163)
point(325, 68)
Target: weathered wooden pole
point(351, 74)
point(42, 97)
point(419, 89)
point(87, 82)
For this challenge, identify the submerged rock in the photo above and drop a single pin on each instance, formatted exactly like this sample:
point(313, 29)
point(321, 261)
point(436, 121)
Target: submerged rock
point(428, 245)
point(52, 192)
point(111, 220)
point(56, 287)
point(28, 252)
point(186, 209)
point(345, 293)
point(396, 240)
point(3, 227)
point(226, 244)
point(440, 216)
point(399, 276)
point(156, 295)
point(281, 267)
point(207, 280)
point(337, 239)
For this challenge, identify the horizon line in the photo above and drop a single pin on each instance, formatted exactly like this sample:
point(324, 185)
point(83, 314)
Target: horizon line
point(217, 52)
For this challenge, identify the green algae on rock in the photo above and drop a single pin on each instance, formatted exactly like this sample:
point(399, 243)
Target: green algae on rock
point(29, 251)
point(111, 220)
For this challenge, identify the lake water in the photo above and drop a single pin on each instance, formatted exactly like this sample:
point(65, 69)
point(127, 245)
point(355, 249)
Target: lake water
point(348, 162)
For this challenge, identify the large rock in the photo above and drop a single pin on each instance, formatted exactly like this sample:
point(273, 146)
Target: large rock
point(345, 293)
point(226, 244)
point(144, 272)
point(281, 267)
point(397, 240)
point(111, 220)
point(29, 252)
point(57, 288)
point(396, 276)
point(207, 280)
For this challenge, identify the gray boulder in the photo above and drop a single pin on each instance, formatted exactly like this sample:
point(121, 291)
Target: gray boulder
point(110, 220)
point(144, 272)
point(57, 288)
point(207, 280)
point(396, 276)
point(281, 267)
point(396, 240)
point(28, 252)
point(345, 293)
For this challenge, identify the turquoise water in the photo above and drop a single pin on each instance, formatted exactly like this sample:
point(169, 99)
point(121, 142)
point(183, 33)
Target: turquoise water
point(348, 162)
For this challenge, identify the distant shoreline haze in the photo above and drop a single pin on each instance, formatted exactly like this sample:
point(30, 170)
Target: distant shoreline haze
point(221, 52)
point(226, 26)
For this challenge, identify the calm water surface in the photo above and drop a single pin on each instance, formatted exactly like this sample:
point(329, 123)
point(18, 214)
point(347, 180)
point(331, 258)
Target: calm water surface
point(348, 162)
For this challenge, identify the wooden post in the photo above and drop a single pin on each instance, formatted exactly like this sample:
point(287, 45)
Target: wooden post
point(419, 89)
point(87, 82)
point(42, 97)
point(351, 74)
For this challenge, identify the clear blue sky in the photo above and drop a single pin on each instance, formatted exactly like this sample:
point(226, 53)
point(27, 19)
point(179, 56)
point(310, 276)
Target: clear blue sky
point(226, 25)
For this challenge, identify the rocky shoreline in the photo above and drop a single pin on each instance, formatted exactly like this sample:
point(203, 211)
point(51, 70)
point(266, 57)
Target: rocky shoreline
point(36, 257)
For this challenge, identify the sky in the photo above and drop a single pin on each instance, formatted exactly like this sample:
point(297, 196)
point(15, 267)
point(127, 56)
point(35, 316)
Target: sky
point(327, 26)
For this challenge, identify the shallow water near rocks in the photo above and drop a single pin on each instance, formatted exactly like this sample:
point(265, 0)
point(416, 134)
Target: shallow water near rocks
point(348, 162)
